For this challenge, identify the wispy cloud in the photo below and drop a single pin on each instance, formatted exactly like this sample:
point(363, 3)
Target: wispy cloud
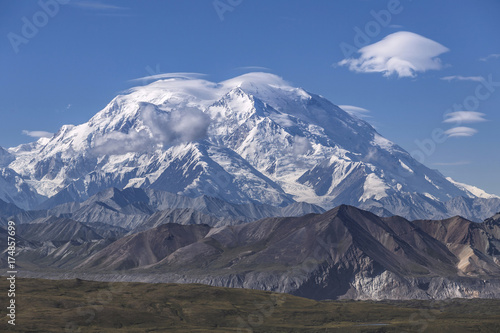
point(64, 109)
point(402, 53)
point(161, 128)
point(98, 6)
point(101, 8)
point(452, 163)
point(460, 132)
point(490, 57)
point(38, 134)
point(463, 78)
point(462, 117)
point(301, 145)
point(355, 111)
point(169, 76)
point(253, 68)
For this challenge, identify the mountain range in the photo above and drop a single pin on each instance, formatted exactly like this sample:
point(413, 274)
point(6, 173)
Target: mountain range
point(342, 253)
point(254, 139)
point(248, 183)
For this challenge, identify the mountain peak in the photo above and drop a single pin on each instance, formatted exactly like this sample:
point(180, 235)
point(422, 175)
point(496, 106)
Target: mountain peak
point(253, 138)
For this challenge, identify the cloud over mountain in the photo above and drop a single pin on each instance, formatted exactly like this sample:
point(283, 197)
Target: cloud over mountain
point(38, 134)
point(161, 128)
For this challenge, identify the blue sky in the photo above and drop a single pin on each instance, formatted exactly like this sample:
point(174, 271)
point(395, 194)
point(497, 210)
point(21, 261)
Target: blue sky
point(83, 53)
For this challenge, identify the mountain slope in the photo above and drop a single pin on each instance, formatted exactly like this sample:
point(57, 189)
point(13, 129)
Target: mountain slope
point(146, 247)
point(62, 243)
point(476, 245)
point(7, 210)
point(343, 253)
point(140, 209)
point(251, 139)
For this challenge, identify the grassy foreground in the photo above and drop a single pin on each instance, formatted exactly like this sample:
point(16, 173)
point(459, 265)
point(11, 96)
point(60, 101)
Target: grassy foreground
point(83, 306)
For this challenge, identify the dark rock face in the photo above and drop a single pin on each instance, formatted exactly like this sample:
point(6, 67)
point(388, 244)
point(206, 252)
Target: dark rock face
point(343, 253)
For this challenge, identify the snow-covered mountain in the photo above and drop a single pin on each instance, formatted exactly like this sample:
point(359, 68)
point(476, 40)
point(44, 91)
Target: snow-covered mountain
point(13, 187)
point(254, 138)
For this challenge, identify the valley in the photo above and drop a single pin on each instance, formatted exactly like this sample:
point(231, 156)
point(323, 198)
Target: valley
point(84, 306)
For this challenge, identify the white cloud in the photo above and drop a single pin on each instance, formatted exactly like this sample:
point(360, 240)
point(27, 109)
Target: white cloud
point(161, 128)
point(460, 132)
point(164, 76)
point(189, 124)
point(96, 5)
point(117, 143)
point(282, 119)
point(490, 56)
point(101, 8)
point(355, 111)
point(38, 134)
point(461, 117)
point(301, 145)
point(402, 53)
point(254, 68)
point(463, 78)
point(452, 163)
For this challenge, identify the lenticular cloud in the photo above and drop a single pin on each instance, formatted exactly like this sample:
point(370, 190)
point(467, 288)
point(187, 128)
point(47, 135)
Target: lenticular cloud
point(402, 53)
point(460, 131)
point(460, 117)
